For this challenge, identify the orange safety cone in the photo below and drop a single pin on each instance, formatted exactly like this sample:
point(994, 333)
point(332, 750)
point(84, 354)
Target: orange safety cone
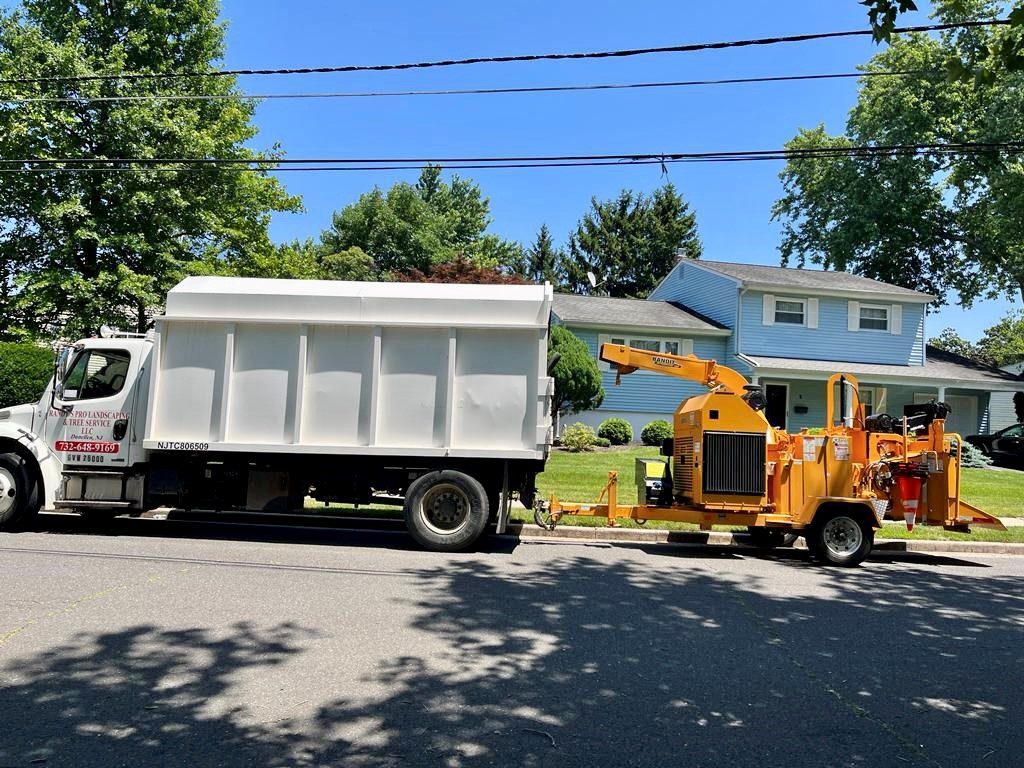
point(910, 493)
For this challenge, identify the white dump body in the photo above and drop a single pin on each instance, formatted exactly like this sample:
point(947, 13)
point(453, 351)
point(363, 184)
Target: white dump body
point(309, 366)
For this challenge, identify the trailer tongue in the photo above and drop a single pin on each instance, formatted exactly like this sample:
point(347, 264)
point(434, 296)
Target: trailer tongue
point(833, 485)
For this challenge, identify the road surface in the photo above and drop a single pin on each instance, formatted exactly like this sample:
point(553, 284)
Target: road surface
point(195, 644)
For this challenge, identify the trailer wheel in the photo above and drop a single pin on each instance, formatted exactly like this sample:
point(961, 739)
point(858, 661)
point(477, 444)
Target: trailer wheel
point(840, 537)
point(19, 497)
point(446, 511)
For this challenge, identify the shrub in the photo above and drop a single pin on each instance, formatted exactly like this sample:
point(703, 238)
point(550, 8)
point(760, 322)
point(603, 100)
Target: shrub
point(25, 370)
point(655, 433)
point(617, 431)
point(973, 457)
point(578, 438)
point(602, 442)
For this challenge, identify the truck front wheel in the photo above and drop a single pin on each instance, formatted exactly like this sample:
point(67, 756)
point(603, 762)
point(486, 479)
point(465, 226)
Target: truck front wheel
point(18, 495)
point(446, 510)
point(840, 537)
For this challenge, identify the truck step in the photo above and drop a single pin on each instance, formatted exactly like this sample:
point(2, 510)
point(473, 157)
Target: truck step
point(90, 504)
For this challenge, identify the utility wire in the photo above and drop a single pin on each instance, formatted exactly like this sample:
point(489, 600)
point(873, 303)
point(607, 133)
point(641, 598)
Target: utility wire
point(689, 48)
point(44, 165)
point(451, 92)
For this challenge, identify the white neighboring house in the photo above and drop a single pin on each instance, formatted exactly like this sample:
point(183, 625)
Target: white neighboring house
point(1002, 410)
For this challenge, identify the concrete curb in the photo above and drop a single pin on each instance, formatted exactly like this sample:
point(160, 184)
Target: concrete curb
point(726, 539)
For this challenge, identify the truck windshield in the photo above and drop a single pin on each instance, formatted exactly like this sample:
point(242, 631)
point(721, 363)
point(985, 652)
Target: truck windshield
point(96, 373)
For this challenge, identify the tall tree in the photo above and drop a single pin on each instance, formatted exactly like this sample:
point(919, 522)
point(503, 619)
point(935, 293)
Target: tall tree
point(418, 226)
point(1001, 344)
point(545, 262)
point(94, 246)
point(977, 63)
point(630, 243)
point(936, 221)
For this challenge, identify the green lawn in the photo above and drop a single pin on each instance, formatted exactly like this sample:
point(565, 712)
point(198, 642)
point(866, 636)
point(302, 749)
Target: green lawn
point(999, 492)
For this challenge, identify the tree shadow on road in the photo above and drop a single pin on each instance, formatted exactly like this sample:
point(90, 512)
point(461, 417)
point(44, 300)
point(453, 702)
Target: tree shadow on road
point(571, 661)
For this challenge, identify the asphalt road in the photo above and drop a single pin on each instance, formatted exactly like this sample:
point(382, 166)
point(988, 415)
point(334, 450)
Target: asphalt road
point(191, 644)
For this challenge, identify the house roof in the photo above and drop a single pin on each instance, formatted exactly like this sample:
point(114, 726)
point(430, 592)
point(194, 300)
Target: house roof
point(632, 313)
point(750, 275)
point(941, 367)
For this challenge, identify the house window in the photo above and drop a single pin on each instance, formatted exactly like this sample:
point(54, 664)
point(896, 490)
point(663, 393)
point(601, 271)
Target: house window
point(873, 400)
point(789, 311)
point(874, 318)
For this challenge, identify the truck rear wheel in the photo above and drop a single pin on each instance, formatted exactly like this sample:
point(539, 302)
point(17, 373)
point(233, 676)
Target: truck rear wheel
point(840, 537)
point(19, 497)
point(446, 510)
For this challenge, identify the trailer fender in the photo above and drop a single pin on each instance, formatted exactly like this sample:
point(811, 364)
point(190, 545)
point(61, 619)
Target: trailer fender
point(863, 505)
point(43, 462)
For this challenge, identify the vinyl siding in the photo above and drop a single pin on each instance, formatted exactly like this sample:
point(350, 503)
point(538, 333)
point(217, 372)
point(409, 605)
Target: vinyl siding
point(831, 340)
point(712, 295)
point(645, 391)
point(1002, 411)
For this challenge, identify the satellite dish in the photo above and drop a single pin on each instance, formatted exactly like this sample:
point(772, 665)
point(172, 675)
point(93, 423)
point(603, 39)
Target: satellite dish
point(592, 279)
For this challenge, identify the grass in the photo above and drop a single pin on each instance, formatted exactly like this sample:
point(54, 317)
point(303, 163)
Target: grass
point(581, 477)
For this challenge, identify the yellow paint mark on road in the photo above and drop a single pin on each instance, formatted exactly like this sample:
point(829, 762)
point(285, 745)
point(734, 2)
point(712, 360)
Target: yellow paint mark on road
point(74, 605)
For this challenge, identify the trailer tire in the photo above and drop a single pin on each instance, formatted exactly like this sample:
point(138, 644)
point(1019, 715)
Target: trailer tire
point(446, 510)
point(19, 492)
point(840, 537)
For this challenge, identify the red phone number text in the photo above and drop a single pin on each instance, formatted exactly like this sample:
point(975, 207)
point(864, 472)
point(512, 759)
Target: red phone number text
point(72, 446)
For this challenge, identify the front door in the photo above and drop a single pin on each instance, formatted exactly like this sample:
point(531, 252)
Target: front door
point(90, 421)
point(777, 396)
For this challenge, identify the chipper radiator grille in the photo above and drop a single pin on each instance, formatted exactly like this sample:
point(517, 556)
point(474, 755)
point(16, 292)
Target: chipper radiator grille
point(682, 484)
point(734, 463)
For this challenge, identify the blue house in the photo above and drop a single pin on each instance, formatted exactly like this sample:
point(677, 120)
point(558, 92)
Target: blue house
point(788, 330)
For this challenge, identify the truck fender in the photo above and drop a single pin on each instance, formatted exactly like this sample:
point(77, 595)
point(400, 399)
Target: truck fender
point(45, 464)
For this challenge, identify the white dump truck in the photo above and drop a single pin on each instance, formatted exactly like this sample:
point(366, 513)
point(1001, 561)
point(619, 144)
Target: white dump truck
point(254, 394)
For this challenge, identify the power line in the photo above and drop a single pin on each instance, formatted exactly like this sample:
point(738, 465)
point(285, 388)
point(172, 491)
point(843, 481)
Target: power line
point(688, 48)
point(452, 92)
point(65, 165)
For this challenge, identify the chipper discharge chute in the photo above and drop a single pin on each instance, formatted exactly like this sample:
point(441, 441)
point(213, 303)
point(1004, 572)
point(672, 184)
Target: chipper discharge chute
point(833, 485)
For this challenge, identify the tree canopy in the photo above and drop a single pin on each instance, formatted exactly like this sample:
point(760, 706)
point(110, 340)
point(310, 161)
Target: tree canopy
point(630, 243)
point(545, 261)
point(1000, 345)
point(419, 226)
point(936, 220)
point(81, 248)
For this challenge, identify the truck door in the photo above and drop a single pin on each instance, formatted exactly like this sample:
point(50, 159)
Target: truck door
point(90, 423)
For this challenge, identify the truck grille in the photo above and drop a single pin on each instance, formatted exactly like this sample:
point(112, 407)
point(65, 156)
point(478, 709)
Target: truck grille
point(682, 478)
point(734, 462)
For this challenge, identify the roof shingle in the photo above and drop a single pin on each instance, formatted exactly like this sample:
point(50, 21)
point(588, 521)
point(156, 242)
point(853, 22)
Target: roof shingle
point(640, 313)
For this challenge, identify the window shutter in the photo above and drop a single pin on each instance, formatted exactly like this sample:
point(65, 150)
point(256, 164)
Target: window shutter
point(812, 313)
point(768, 313)
point(685, 347)
point(880, 403)
point(853, 316)
point(603, 338)
point(896, 320)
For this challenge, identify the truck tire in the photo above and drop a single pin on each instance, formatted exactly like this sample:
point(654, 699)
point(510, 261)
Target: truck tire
point(446, 510)
point(19, 496)
point(840, 537)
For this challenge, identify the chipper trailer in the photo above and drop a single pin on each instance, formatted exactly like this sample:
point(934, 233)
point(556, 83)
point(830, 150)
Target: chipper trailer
point(833, 485)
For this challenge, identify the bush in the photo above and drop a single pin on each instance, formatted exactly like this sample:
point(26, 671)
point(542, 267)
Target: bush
point(25, 370)
point(602, 442)
point(617, 431)
point(974, 458)
point(578, 438)
point(655, 433)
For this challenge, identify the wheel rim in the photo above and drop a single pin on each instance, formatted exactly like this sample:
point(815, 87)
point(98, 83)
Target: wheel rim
point(8, 491)
point(445, 509)
point(842, 536)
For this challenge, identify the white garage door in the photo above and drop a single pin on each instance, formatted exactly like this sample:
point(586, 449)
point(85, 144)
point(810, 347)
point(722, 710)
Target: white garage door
point(964, 418)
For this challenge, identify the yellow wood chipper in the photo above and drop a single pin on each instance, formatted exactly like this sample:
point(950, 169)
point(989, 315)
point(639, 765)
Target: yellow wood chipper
point(832, 485)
